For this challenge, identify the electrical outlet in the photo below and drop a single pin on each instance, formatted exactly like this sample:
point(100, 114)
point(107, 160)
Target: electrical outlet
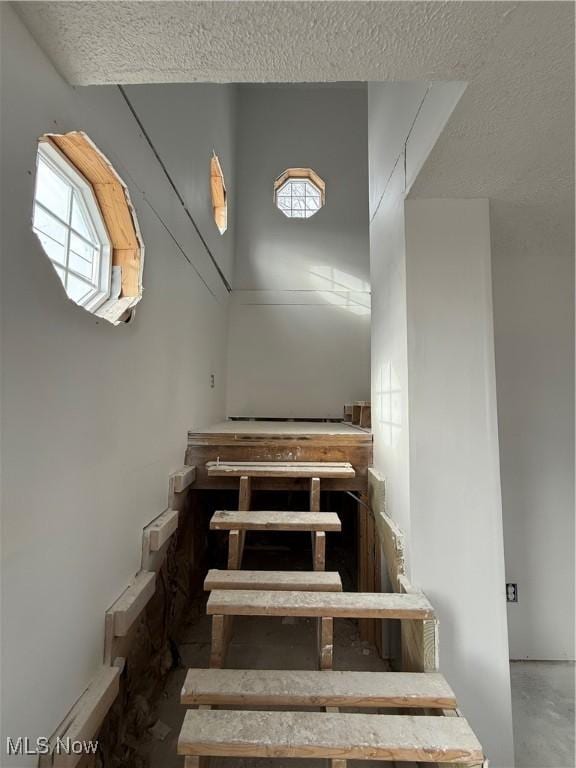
point(212, 381)
point(511, 593)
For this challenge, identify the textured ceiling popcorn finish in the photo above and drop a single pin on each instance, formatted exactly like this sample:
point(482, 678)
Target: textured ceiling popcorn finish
point(510, 137)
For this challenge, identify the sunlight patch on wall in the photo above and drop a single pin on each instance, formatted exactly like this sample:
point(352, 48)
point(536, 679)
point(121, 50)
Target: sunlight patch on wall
point(389, 405)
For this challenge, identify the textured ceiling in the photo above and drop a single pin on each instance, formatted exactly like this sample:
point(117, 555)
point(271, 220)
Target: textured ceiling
point(511, 136)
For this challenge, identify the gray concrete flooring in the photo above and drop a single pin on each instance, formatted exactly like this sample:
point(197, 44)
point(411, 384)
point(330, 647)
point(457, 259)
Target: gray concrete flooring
point(543, 713)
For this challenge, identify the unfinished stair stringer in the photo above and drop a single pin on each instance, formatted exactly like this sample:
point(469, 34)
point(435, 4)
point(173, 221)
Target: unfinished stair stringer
point(85, 718)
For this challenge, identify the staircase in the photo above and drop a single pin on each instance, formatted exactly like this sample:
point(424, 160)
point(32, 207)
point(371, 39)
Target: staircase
point(251, 713)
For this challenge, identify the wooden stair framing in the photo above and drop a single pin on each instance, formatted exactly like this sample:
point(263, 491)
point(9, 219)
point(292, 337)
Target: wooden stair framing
point(238, 522)
point(326, 606)
point(422, 725)
point(305, 581)
point(308, 688)
point(295, 469)
point(338, 736)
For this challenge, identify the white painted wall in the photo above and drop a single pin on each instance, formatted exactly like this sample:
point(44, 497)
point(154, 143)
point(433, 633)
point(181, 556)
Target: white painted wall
point(186, 123)
point(533, 277)
point(300, 324)
point(93, 417)
point(431, 350)
point(455, 500)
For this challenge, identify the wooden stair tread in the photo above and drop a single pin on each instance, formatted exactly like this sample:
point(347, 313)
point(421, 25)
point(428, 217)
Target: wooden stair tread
point(364, 605)
point(275, 521)
point(301, 688)
point(305, 469)
point(320, 581)
point(319, 734)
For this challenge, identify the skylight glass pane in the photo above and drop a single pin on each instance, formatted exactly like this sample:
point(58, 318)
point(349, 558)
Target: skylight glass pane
point(52, 190)
point(46, 223)
point(79, 222)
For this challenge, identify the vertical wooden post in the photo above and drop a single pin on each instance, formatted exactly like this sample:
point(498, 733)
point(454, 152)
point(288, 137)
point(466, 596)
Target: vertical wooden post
point(319, 551)
point(234, 550)
point(325, 642)
point(244, 503)
point(245, 494)
point(363, 624)
point(318, 540)
point(220, 638)
point(315, 494)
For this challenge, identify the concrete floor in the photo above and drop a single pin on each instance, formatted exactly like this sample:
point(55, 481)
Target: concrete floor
point(543, 713)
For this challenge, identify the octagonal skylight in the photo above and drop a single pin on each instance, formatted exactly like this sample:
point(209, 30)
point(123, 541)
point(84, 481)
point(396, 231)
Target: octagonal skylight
point(299, 193)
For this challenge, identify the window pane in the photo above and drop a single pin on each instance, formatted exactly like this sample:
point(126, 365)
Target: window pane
point(80, 247)
point(61, 272)
point(54, 250)
point(77, 289)
point(52, 190)
point(80, 265)
point(79, 222)
point(47, 224)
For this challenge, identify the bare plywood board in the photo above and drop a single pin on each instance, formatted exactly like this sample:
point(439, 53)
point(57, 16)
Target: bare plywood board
point(329, 604)
point(318, 734)
point(308, 581)
point(301, 688)
point(275, 521)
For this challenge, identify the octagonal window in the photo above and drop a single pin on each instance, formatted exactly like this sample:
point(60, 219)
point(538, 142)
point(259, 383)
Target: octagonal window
point(69, 226)
point(299, 193)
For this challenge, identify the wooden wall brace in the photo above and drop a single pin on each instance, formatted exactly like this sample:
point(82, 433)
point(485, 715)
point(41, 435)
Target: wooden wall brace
point(120, 620)
point(132, 602)
point(85, 717)
point(390, 535)
point(420, 646)
point(156, 538)
point(162, 528)
point(182, 479)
